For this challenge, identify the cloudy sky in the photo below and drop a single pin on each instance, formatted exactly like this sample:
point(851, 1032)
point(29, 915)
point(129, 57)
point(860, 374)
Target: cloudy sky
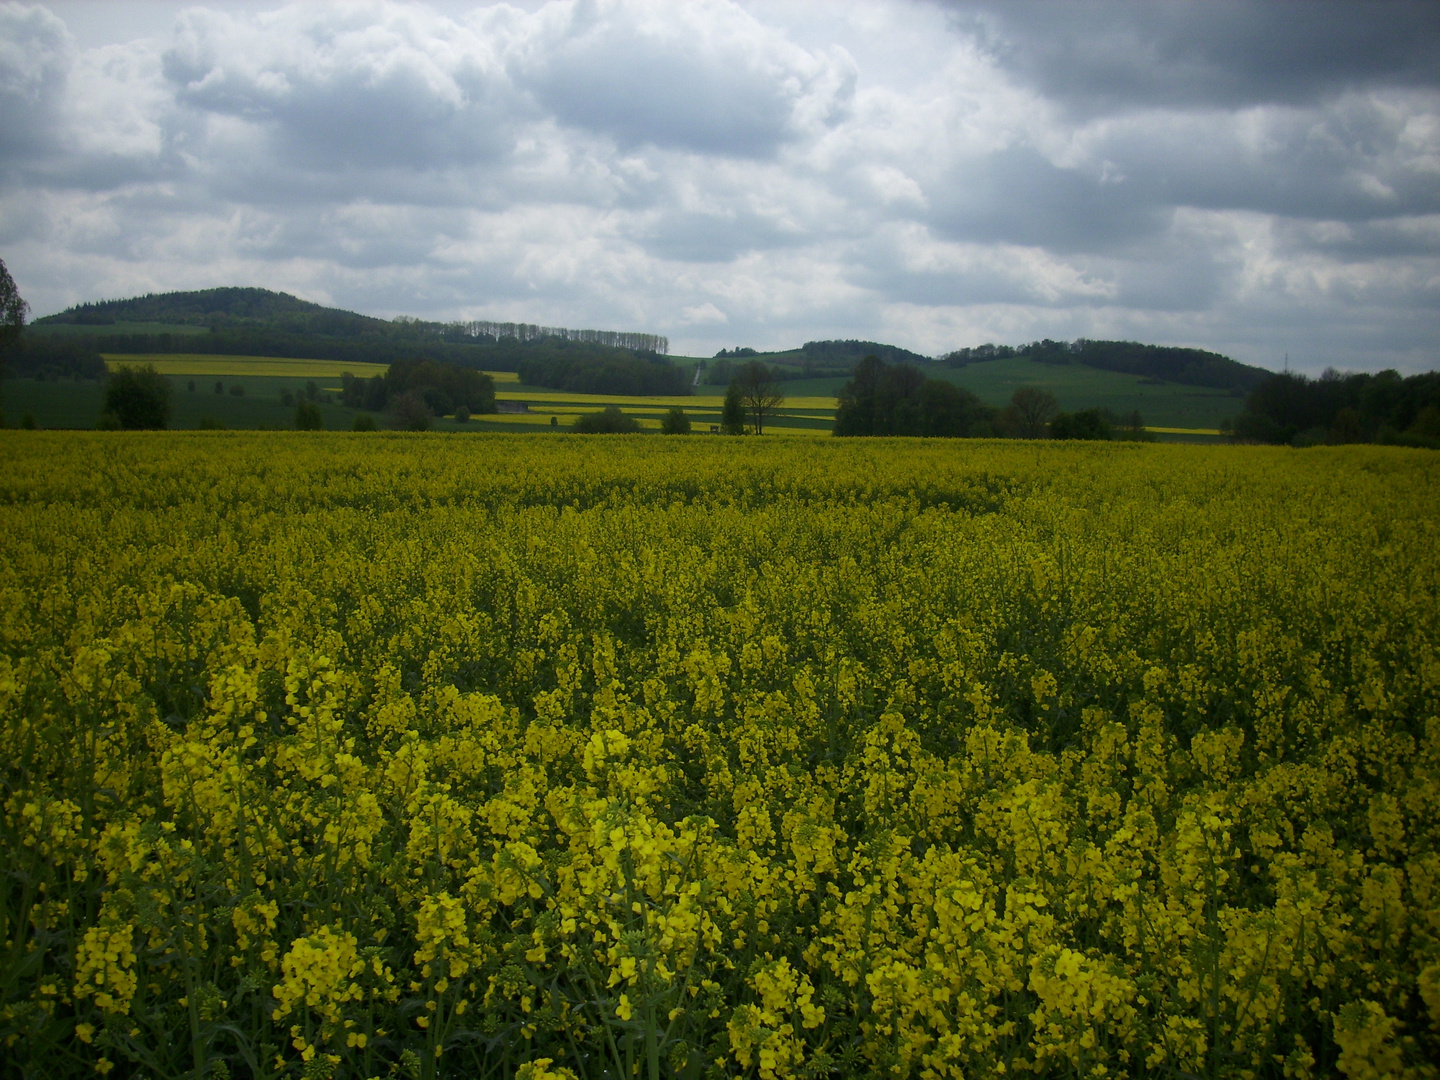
point(1254, 178)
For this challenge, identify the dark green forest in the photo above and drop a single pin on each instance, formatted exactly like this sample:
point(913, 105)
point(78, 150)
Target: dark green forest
point(897, 399)
point(583, 368)
point(1343, 408)
point(26, 357)
point(440, 389)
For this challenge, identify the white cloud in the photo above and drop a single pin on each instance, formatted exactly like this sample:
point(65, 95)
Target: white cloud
point(703, 315)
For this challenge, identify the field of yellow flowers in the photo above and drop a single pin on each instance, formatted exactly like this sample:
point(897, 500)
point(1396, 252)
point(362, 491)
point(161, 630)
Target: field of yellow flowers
point(418, 756)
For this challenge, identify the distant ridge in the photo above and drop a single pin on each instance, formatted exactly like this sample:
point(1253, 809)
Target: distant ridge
point(236, 307)
point(204, 307)
point(238, 321)
point(1166, 363)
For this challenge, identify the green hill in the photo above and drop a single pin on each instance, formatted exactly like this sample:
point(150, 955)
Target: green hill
point(1165, 363)
point(220, 308)
point(260, 322)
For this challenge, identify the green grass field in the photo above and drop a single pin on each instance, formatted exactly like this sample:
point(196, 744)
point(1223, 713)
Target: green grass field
point(1164, 405)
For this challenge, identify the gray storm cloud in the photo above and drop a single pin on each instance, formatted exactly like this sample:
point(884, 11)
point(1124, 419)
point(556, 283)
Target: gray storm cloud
point(1251, 177)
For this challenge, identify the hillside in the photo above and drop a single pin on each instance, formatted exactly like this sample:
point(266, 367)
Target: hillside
point(1166, 363)
point(221, 308)
point(260, 322)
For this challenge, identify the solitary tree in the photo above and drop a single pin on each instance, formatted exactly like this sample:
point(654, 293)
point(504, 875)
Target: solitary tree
point(307, 417)
point(761, 392)
point(675, 422)
point(1029, 411)
point(138, 397)
point(732, 413)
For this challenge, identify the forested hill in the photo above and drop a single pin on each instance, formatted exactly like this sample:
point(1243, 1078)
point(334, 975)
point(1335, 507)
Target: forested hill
point(847, 354)
point(221, 308)
point(1195, 367)
point(260, 322)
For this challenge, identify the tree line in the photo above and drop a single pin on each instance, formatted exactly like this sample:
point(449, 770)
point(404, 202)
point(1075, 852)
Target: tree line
point(414, 391)
point(899, 399)
point(1343, 408)
point(54, 358)
point(590, 368)
point(495, 332)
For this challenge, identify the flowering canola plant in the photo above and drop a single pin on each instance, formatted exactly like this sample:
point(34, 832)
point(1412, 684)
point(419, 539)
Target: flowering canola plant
point(416, 756)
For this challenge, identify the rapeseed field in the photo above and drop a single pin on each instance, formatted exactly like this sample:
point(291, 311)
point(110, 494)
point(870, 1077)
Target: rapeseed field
point(406, 756)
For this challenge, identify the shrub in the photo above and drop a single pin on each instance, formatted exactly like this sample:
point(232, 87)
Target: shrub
point(608, 421)
point(307, 417)
point(675, 422)
point(139, 397)
point(1089, 424)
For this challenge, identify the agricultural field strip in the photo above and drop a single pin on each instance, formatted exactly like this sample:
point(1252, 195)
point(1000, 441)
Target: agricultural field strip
point(698, 401)
point(700, 423)
point(180, 364)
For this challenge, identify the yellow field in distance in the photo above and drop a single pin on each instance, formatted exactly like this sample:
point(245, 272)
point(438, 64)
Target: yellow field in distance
point(230, 366)
point(697, 401)
point(701, 424)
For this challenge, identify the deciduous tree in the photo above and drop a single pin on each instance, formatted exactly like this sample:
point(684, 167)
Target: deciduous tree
point(1030, 410)
point(732, 413)
point(761, 391)
point(675, 422)
point(138, 397)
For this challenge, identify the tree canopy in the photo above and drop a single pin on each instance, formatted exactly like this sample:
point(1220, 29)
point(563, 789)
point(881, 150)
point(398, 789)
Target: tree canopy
point(138, 397)
point(1343, 408)
point(886, 399)
point(441, 387)
point(585, 368)
point(760, 393)
point(608, 421)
